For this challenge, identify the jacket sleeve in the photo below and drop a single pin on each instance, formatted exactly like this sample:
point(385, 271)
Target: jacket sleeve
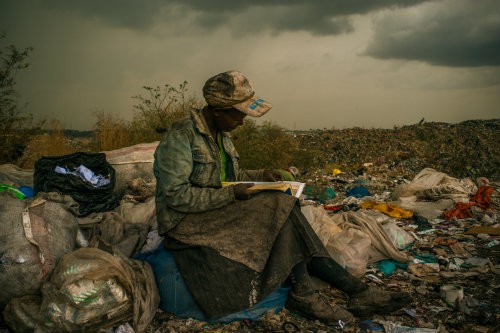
point(174, 163)
point(251, 175)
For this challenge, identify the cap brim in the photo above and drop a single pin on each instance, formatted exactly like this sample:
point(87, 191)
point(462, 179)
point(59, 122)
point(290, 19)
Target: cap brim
point(254, 107)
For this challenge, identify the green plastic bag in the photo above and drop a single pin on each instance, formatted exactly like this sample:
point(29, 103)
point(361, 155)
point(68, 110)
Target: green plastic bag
point(18, 194)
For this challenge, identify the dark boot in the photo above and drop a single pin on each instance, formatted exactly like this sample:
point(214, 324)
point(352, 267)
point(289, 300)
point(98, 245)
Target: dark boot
point(377, 301)
point(364, 300)
point(301, 280)
point(314, 307)
point(305, 300)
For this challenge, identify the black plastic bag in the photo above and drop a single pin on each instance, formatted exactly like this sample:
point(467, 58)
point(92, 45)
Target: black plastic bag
point(91, 198)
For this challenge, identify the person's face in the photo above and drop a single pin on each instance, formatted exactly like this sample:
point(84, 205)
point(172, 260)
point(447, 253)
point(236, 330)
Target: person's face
point(227, 120)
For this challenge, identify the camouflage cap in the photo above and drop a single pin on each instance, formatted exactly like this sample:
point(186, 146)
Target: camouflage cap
point(232, 89)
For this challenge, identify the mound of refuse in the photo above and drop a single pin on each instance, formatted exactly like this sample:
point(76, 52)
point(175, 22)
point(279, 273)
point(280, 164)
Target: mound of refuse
point(466, 149)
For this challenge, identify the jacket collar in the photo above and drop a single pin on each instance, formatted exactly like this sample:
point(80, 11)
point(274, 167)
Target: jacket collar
point(199, 121)
point(201, 124)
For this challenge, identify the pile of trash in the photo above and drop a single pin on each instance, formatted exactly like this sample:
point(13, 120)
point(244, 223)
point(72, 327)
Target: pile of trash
point(465, 149)
point(432, 235)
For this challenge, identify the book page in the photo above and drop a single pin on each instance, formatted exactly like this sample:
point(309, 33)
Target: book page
point(295, 188)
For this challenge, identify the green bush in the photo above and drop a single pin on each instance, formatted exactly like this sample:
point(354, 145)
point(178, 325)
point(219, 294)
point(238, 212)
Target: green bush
point(270, 146)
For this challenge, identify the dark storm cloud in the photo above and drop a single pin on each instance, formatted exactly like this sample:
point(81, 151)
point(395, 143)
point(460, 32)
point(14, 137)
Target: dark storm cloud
point(320, 17)
point(452, 33)
point(275, 19)
point(459, 33)
point(132, 14)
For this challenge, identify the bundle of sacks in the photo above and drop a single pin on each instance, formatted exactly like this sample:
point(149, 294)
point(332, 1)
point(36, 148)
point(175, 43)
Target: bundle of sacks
point(52, 285)
point(64, 269)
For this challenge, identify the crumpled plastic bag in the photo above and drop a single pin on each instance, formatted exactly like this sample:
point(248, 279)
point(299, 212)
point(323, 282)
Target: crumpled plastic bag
point(428, 209)
point(350, 249)
point(399, 237)
point(381, 246)
point(321, 222)
point(435, 185)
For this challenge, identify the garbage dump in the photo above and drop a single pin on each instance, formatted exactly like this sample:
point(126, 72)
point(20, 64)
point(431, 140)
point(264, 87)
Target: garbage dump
point(450, 266)
point(433, 235)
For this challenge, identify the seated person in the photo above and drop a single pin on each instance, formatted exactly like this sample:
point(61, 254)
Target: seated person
point(234, 245)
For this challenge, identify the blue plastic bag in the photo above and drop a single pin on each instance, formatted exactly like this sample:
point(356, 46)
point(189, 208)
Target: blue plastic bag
point(358, 192)
point(28, 191)
point(388, 266)
point(175, 297)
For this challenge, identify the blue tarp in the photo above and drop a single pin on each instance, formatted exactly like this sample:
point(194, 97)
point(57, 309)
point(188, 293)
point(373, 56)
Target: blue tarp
point(175, 297)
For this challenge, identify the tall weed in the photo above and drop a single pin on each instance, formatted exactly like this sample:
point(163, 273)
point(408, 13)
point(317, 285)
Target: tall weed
point(52, 142)
point(158, 108)
point(110, 132)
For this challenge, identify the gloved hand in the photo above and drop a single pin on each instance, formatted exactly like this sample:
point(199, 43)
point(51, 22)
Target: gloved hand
point(242, 191)
point(271, 176)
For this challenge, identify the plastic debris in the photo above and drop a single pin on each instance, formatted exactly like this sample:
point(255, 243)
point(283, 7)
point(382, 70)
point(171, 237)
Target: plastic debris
point(358, 192)
point(11, 189)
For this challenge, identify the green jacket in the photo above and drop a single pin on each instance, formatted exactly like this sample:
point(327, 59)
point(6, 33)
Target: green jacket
point(187, 167)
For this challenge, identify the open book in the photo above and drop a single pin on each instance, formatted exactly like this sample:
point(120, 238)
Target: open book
point(292, 188)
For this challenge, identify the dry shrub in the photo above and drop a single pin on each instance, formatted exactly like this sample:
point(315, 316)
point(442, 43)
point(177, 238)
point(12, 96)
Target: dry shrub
point(269, 146)
point(110, 132)
point(51, 143)
point(158, 108)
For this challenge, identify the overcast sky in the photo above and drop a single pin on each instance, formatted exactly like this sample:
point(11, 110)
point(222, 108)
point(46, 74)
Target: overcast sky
point(322, 64)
